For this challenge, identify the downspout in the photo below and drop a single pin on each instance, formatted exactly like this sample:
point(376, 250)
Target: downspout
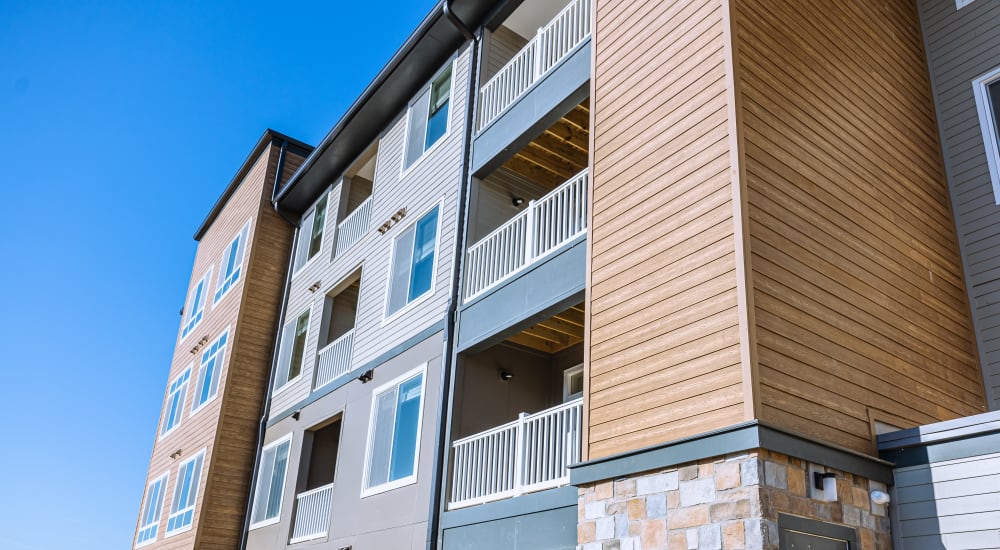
point(274, 357)
point(448, 354)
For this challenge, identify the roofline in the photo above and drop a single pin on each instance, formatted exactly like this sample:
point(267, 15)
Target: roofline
point(436, 13)
point(270, 136)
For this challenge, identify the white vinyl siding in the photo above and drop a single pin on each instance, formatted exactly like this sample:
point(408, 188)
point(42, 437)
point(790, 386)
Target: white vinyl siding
point(291, 351)
point(152, 508)
point(311, 231)
point(987, 92)
point(210, 371)
point(175, 402)
point(195, 309)
point(428, 116)
point(185, 494)
point(394, 433)
point(232, 263)
point(270, 483)
point(413, 259)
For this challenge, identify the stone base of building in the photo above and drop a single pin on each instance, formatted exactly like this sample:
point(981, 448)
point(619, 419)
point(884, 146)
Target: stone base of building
point(727, 502)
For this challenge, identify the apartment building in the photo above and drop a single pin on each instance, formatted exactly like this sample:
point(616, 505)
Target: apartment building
point(199, 472)
point(609, 274)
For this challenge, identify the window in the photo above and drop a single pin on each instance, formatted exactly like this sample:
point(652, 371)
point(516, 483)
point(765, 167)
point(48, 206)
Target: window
point(195, 309)
point(292, 351)
point(311, 234)
point(572, 383)
point(394, 433)
point(987, 92)
point(427, 121)
point(270, 483)
point(232, 263)
point(210, 371)
point(185, 494)
point(413, 255)
point(175, 402)
point(149, 519)
point(959, 4)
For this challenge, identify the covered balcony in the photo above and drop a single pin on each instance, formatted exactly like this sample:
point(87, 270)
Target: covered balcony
point(336, 343)
point(354, 215)
point(317, 469)
point(518, 411)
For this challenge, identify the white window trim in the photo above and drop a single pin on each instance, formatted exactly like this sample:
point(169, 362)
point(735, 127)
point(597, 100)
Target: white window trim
point(328, 193)
point(405, 170)
point(220, 282)
point(225, 354)
point(388, 318)
point(166, 533)
point(567, 374)
point(411, 479)
point(302, 371)
point(165, 478)
point(185, 329)
point(183, 402)
point(284, 484)
point(988, 125)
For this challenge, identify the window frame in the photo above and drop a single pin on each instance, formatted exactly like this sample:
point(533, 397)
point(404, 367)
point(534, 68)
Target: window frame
point(568, 374)
point(311, 211)
point(289, 382)
point(411, 479)
point(404, 168)
point(163, 478)
point(388, 317)
point(188, 324)
point(196, 487)
point(287, 438)
point(180, 402)
point(241, 239)
point(989, 122)
point(195, 405)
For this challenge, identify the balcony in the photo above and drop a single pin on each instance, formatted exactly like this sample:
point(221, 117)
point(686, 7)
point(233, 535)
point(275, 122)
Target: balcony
point(340, 309)
point(312, 514)
point(553, 42)
point(335, 359)
point(546, 225)
point(529, 454)
point(354, 226)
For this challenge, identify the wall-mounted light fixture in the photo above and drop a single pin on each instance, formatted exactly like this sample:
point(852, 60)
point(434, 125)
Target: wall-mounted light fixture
point(826, 482)
point(296, 414)
point(506, 375)
point(176, 454)
point(517, 201)
point(367, 376)
point(880, 497)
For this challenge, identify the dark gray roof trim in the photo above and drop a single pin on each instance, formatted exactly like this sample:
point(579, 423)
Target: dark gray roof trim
point(269, 137)
point(423, 52)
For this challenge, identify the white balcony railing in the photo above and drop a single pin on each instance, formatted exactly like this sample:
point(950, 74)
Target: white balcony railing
point(312, 514)
point(544, 226)
point(552, 43)
point(354, 226)
point(529, 454)
point(335, 359)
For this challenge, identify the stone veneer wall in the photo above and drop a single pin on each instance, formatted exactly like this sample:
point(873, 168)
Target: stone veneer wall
point(729, 502)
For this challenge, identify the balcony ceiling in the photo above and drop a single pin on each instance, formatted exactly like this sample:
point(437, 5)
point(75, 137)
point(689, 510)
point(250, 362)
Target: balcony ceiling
point(559, 153)
point(554, 334)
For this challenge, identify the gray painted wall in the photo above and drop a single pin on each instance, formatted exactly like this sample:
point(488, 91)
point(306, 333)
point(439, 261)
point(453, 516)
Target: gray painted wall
point(548, 530)
point(493, 204)
point(962, 45)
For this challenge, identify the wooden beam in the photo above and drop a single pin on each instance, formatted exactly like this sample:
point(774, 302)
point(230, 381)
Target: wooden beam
point(560, 325)
point(579, 117)
point(533, 342)
point(533, 172)
point(563, 149)
point(553, 163)
point(571, 134)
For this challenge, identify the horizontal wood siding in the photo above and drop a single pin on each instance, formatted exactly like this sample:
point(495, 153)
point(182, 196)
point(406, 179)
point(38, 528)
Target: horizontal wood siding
point(433, 180)
point(962, 45)
point(858, 288)
point(224, 427)
point(503, 46)
point(664, 348)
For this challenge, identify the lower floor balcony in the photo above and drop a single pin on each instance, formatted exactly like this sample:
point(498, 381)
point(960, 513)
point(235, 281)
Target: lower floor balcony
point(529, 454)
point(312, 514)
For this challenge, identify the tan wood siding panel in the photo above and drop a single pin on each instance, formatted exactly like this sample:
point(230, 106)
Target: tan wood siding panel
point(858, 290)
point(663, 337)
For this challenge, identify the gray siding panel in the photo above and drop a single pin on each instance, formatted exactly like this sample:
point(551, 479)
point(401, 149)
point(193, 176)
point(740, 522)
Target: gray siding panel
point(962, 45)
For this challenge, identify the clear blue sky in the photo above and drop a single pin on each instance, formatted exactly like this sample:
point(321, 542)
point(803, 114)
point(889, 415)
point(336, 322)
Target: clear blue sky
point(120, 124)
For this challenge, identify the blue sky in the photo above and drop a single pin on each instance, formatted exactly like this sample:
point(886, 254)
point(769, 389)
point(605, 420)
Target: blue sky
point(120, 124)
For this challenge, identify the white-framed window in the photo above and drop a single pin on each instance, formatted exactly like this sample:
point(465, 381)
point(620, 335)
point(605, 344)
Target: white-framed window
point(311, 233)
point(270, 483)
point(291, 351)
point(412, 272)
point(195, 309)
point(394, 433)
point(210, 371)
point(572, 383)
point(152, 507)
point(175, 402)
point(428, 116)
point(987, 91)
point(185, 494)
point(232, 263)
